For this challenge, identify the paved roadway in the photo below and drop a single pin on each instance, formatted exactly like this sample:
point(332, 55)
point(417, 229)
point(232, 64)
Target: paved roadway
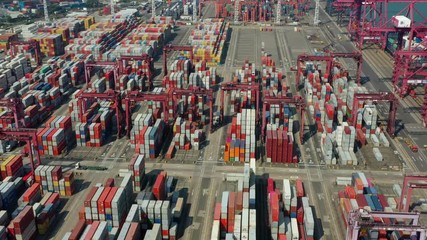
point(370, 69)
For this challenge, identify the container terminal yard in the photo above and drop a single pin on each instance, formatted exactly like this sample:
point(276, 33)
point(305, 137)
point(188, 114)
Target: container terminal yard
point(215, 120)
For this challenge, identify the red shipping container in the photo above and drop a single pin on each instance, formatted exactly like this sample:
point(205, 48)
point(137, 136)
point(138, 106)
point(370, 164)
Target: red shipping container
point(217, 211)
point(270, 185)
point(300, 188)
point(53, 199)
point(109, 199)
point(274, 146)
point(285, 147)
point(351, 193)
point(77, 230)
point(23, 220)
point(109, 182)
point(159, 187)
point(361, 200)
point(101, 200)
point(279, 146)
point(92, 230)
point(90, 196)
point(31, 192)
point(274, 207)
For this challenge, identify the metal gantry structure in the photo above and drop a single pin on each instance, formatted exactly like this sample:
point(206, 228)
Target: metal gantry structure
point(90, 65)
point(361, 220)
point(377, 97)
point(411, 182)
point(329, 58)
point(110, 95)
point(136, 96)
point(370, 22)
point(125, 60)
point(27, 135)
point(233, 86)
point(282, 100)
point(17, 108)
point(195, 91)
point(168, 48)
point(33, 44)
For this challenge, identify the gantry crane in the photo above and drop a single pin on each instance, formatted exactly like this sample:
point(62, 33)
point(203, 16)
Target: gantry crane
point(110, 95)
point(33, 44)
point(90, 65)
point(136, 96)
point(168, 48)
point(195, 91)
point(377, 97)
point(27, 135)
point(125, 60)
point(17, 108)
point(329, 58)
point(361, 219)
point(282, 100)
point(233, 86)
point(410, 182)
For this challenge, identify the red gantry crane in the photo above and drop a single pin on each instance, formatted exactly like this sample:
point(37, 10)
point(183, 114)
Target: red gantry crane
point(361, 220)
point(27, 135)
point(110, 95)
point(168, 48)
point(33, 44)
point(329, 58)
point(17, 107)
point(410, 183)
point(125, 61)
point(136, 96)
point(282, 100)
point(195, 91)
point(90, 65)
point(377, 97)
point(245, 86)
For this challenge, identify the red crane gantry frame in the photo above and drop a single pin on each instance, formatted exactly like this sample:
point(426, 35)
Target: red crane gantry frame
point(360, 218)
point(107, 95)
point(196, 91)
point(32, 43)
point(167, 48)
point(329, 59)
point(377, 97)
point(409, 183)
point(90, 65)
point(28, 135)
point(136, 96)
point(123, 60)
point(16, 106)
point(245, 86)
point(298, 101)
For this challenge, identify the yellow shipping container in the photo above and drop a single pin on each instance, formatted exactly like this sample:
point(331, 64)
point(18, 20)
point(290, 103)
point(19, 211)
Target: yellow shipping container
point(62, 193)
point(67, 184)
point(5, 162)
point(56, 183)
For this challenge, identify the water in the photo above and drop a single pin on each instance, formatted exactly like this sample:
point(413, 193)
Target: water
point(395, 8)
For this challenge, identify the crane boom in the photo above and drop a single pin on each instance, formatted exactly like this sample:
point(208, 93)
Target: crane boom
point(236, 11)
point(278, 11)
point(46, 13)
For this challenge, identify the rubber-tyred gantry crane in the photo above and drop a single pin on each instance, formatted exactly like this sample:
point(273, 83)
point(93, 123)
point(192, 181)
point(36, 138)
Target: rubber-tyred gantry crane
point(110, 95)
point(125, 60)
point(90, 65)
point(33, 44)
point(168, 48)
point(409, 183)
point(136, 96)
point(27, 135)
point(362, 220)
point(234, 86)
point(195, 91)
point(377, 97)
point(17, 108)
point(329, 58)
point(282, 100)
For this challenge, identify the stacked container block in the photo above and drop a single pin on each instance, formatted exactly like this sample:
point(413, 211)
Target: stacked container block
point(241, 139)
point(147, 135)
point(12, 166)
point(52, 179)
point(137, 167)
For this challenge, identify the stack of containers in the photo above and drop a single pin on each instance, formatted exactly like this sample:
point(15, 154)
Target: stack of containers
point(50, 44)
point(147, 135)
point(56, 136)
point(246, 74)
point(12, 70)
point(209, 38)
point(186, 135)
point(235, 215)
point(102, 37)
point(331, 105)
point(137, 167)
point(272, 79)
point(26, 50)
point(362, 194)
point(107, 204)
point(279, 146)
point(241, 141)
point(12, 166)
point(52, 179)
point(159, 187)
point(63, 31)
point(46, 211)
point(23, 226)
